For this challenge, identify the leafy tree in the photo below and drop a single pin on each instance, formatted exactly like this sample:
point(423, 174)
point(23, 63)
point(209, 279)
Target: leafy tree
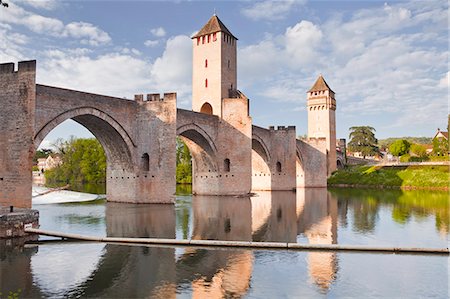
point(385, 143)
point(418, 150)
point(362, 139)
point(399, 147)
point(184, 164)
point(440, 146)
point(83, 160)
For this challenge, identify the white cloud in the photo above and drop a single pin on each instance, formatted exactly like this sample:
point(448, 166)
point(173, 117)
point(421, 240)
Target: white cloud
point(302, 41)
point(158, 32)
point(445, 81)
point(86, 32)
point(11, 44)
point(269, 10)
point(114, 74)
point(122, 73)
point(41, 4)
point(173, 70)
point(151, 43)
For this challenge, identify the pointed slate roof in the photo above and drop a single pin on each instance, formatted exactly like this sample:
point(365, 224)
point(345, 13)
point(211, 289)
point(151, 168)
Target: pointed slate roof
point(214, 25)
point(320, 85)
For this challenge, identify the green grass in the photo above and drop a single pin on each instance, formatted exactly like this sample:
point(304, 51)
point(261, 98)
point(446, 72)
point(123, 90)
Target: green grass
point(392, 176)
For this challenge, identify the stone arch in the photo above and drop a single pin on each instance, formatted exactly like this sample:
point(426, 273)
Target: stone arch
point(201, 146)
point(299, 168)
point(206, 108)
point(115, 140)
point(261, 174)
point(259, 146)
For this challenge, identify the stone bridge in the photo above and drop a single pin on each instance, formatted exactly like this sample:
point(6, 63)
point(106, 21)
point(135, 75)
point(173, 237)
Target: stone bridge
point(230, 155)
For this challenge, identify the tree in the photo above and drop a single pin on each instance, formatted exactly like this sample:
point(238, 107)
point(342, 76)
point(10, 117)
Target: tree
point(83, 160)
point(3, 3)
point(184, 164)
point(418, 150)
point(440, 146)
point(362, 139)
point(399, 147)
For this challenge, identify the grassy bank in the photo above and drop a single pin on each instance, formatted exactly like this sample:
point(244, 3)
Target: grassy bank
point(420, 177)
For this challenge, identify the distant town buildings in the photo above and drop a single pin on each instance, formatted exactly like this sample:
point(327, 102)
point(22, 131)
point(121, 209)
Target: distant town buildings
point(44, 164)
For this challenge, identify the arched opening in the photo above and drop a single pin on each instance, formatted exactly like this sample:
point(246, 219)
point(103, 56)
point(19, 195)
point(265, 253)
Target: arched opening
point(226, 165)
point(261, 175)
point(202, 152)
point(206, 108)
point(111, 141)
point(145, 162)
point(278, 166)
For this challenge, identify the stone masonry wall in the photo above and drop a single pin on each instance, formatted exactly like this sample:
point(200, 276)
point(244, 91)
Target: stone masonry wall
point(17, 101)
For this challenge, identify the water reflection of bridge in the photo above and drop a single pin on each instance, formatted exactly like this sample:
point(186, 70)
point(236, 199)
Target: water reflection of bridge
point(138, 271)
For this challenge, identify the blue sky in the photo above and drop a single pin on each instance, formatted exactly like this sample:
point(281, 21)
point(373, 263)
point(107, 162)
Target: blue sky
point(386, 61)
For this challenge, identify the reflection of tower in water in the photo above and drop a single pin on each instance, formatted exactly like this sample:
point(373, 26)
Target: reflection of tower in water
point(317, 213)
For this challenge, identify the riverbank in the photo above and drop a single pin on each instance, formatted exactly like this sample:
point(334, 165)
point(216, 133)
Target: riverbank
point(392, 177)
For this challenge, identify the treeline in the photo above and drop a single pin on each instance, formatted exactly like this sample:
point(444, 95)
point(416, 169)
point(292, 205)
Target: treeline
point(385, 143)
point(83, 160)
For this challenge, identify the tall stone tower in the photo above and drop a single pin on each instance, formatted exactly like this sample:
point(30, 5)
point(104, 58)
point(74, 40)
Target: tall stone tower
point(322, 119)
point(214, 74)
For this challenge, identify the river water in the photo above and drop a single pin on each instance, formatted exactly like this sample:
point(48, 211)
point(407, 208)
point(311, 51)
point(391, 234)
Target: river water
point(316, 216)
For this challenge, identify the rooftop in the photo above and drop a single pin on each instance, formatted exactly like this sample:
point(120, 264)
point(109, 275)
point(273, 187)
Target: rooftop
point(320, 85)
point(214, 25)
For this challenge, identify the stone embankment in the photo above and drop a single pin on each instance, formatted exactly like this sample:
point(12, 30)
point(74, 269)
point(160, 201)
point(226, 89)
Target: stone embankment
point(13, 222)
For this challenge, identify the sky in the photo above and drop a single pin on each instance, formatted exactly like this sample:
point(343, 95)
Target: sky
point(386, 61)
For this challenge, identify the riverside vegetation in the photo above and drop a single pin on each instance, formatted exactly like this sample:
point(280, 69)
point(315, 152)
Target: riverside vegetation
point(401, 177)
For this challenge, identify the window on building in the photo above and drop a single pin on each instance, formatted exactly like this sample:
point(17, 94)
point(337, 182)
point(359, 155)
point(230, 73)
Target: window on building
point(145, 162)
point(198, 41)
point(209, 37)
point(226, 165)
point(228, 63)
point(278, 166)
point(206, 83)
point(214, 37)
point(206, 62)
point(203, 39)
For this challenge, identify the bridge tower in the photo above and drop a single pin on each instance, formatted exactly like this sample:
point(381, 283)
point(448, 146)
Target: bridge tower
point(321, 118)
point(214, 74)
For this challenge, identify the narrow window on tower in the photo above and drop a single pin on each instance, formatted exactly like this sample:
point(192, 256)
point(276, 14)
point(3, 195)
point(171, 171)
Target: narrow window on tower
point(214, 37)
point(203, 39)
point(228, 63)
point(206, 62)
point(209, 37)
point(198, 41)
point(206, 83)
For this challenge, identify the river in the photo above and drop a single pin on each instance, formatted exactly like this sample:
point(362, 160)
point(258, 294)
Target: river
point(316, 216)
